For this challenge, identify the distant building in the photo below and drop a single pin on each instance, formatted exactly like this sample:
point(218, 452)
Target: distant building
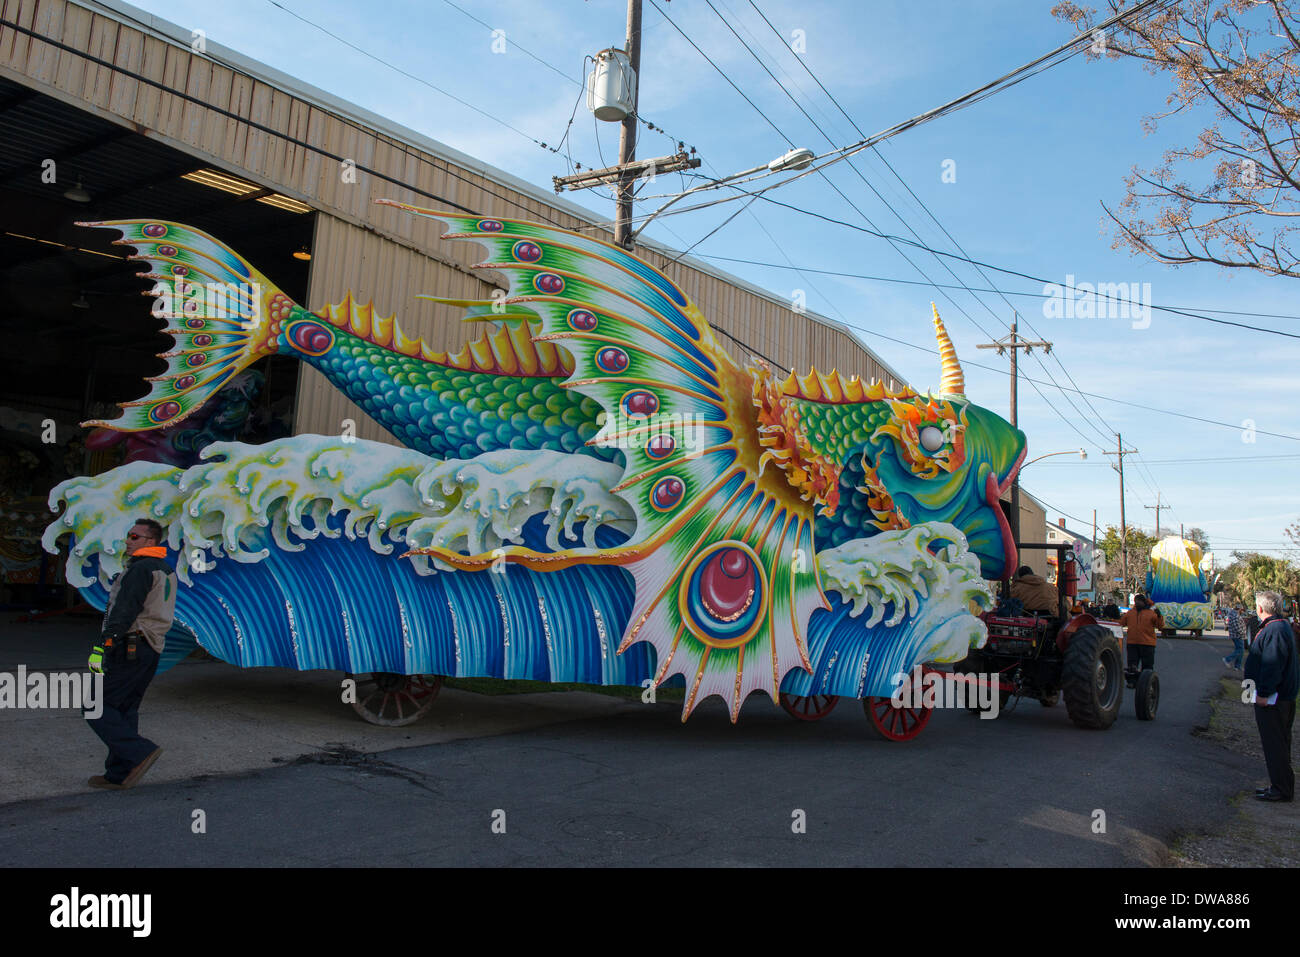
point(1089, 557)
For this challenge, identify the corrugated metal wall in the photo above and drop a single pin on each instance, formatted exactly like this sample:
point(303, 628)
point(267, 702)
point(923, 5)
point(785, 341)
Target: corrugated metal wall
point(347, 259)
point(376, 252)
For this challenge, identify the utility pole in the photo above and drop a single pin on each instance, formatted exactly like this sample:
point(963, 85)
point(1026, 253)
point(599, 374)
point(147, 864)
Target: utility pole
point(627, 137)
point(1123, 523)
point(1015, 343)
point(1157, 508)
point(625, 175)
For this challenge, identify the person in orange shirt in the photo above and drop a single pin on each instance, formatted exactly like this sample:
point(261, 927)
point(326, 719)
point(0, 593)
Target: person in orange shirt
point(1141, 622)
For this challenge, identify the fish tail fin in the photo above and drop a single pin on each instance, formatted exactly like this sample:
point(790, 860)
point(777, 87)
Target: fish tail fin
point(222, 314)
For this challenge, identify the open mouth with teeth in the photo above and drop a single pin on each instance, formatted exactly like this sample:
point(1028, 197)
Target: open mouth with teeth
point(993, 490)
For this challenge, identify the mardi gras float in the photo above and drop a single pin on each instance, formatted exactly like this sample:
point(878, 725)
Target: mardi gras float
point(592, 491)
point(1177, 585)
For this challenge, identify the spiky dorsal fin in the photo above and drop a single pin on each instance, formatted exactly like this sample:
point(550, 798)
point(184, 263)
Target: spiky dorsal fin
point(509, 349)
point(833, 388)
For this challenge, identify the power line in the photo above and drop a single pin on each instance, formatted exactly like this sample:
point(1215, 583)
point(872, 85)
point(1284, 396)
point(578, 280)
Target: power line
point(1217, 460)
point(408, 74)
point(1011, 272)
point(649, 124)
point(723, 74)
point(1004, 292)
point(1069, 49)
point(1236, 427)
point(1064, 393)
point(451, 204)
point(935, 219)
point(445, 168)
point(846, 199)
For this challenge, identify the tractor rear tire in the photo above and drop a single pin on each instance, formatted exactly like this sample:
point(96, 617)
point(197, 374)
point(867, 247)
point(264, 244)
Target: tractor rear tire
point(1092, 678)
point(1148, 695)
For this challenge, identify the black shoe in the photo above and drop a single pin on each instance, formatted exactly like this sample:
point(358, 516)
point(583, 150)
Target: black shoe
point(1271, 794)
point(1259, 791)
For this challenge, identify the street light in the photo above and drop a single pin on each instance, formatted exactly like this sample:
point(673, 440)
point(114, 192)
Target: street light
point(795, 159)
point(1082, 453)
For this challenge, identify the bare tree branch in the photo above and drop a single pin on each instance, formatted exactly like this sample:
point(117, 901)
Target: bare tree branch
point(1227, 198)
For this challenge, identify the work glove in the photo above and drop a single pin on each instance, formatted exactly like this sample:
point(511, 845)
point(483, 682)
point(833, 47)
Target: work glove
point(96, 661)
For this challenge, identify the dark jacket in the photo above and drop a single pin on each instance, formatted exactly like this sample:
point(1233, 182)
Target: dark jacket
point(142, 599)
point(1273, 664)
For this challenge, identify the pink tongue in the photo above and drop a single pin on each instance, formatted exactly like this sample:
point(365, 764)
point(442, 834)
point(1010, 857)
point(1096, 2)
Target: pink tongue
point(1008, 543)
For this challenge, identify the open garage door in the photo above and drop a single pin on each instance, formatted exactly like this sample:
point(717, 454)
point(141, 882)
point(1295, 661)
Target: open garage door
point(77, 336)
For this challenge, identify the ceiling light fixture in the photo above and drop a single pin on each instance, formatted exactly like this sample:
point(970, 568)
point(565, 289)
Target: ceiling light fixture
point(303, 254)
point(77, 194)
point(242, 187)
point(284, 202)
point(221, 181)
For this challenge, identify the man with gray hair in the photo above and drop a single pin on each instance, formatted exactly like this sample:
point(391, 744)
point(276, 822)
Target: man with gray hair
point(1274, 667)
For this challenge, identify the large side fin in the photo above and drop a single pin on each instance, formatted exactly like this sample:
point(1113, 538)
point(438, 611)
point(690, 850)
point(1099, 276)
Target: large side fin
point(722, 554)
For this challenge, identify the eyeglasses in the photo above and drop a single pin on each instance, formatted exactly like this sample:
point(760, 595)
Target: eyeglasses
point(132, 536)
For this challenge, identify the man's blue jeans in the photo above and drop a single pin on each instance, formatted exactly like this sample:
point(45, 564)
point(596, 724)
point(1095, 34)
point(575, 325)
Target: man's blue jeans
point(1238, 653)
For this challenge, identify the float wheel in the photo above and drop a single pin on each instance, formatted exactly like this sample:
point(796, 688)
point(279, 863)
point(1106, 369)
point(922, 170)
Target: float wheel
point(810, 708)
point(896, 723)
point(393, 700)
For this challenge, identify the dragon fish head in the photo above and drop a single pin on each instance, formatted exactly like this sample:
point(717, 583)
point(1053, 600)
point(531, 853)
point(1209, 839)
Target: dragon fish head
point(899, 458)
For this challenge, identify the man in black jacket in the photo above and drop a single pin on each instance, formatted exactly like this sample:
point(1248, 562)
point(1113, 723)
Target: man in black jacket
point(141, 604)
point(1274, 667)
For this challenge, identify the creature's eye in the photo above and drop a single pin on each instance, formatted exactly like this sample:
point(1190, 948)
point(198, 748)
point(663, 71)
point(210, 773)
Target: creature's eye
point(932, 439)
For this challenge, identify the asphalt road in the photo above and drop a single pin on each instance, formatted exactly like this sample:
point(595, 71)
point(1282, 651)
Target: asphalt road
point(640, 788)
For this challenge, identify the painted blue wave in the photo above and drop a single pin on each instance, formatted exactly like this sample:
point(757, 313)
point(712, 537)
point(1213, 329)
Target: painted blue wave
point(338, 605)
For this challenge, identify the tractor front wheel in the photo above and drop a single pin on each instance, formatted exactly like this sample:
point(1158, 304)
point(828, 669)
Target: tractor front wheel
point(1148, 695)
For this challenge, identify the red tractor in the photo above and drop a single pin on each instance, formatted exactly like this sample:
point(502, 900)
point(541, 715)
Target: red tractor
point(1032, 655)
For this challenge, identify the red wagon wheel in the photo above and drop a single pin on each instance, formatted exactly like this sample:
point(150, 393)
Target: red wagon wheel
point(895, 723)
point(393, 700)
point(810, 708)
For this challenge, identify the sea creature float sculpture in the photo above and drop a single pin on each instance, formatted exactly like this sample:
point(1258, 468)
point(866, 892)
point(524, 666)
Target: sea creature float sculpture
point(592, 490)
point(1177, 585)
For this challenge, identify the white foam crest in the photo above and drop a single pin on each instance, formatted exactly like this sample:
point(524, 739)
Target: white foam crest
point(222, 506)
point(481, 504)
point(895, 576)
point(99, 516)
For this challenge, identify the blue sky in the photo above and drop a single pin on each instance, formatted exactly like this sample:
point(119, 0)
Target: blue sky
point(1032, 165)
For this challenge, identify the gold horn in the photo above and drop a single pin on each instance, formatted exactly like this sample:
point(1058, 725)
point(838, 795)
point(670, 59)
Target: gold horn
point(951, 380)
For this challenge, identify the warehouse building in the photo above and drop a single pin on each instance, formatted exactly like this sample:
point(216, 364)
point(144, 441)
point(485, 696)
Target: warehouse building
point(107, 112)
